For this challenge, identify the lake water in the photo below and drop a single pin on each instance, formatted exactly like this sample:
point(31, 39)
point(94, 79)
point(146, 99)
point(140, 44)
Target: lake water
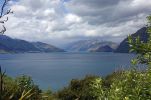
point(55, 70)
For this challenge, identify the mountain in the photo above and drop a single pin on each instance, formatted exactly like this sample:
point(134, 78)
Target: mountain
point(43, 47)
point(91, 46)
point(8, 44)
point(124, 47)
point(105, 48)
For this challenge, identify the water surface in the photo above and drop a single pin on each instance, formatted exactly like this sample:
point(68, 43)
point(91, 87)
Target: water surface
point(55, 70)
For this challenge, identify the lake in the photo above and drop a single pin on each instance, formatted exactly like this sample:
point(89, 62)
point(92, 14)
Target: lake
point(55, 70)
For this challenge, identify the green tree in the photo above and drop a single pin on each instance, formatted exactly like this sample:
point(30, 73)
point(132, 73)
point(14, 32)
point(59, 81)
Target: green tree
point(141, 48)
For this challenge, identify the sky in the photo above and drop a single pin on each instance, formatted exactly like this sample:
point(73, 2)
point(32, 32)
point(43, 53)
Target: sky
point(62, 21)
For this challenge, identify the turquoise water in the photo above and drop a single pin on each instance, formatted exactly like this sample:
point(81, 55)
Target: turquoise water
point(55, 70)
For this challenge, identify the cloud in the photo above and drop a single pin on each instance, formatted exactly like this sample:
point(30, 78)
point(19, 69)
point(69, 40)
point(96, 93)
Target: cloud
point(71, 18)
point(104, 11)
point(67, 20)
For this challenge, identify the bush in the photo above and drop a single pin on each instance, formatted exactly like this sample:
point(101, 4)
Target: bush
point(88, 88)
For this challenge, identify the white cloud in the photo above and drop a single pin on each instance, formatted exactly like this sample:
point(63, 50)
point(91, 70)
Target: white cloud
point(19, 8)
point(53, 20)
point(71, 18)
point(49, 12)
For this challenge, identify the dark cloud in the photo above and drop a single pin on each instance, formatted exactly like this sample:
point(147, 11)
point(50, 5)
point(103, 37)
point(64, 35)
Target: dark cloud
point(108, 11)
point(95, 3)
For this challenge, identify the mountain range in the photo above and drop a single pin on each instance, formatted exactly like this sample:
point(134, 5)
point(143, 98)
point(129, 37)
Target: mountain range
point(106, 46)
point(11, 45)
point(91, 46)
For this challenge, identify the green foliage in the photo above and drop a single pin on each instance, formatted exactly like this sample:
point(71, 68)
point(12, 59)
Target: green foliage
point(109, 79)
point(134, 86)
point(129, 85)
point(88, 88)
point(9, 88)
point(27, 87)
point(21, 88)
point(142, 49)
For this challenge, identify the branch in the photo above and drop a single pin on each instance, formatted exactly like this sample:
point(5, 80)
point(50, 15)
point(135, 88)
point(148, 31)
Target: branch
point(2, 14)
point(3, 30)
point(2, 75)
point(2, 9)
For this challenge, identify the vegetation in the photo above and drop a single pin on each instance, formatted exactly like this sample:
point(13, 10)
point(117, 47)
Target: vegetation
point(20, 88)
point(121, 85)
point(142, 49)
point(131, 84)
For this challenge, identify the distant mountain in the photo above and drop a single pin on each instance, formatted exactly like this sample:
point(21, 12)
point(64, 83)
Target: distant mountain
point(10, 45)
point(91, 46)
point(43, 47)
point(124, 47)
point(105, 48)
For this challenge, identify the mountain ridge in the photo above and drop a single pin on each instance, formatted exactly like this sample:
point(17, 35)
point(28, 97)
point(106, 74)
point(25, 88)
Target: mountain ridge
point(124, 47)
point(10, 45)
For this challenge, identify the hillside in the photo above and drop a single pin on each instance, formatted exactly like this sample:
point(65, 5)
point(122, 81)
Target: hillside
point(124, 47)
point(10, 45)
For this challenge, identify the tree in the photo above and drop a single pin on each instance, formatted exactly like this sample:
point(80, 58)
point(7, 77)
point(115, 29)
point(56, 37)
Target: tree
point(141, 48)
point(3, 15)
